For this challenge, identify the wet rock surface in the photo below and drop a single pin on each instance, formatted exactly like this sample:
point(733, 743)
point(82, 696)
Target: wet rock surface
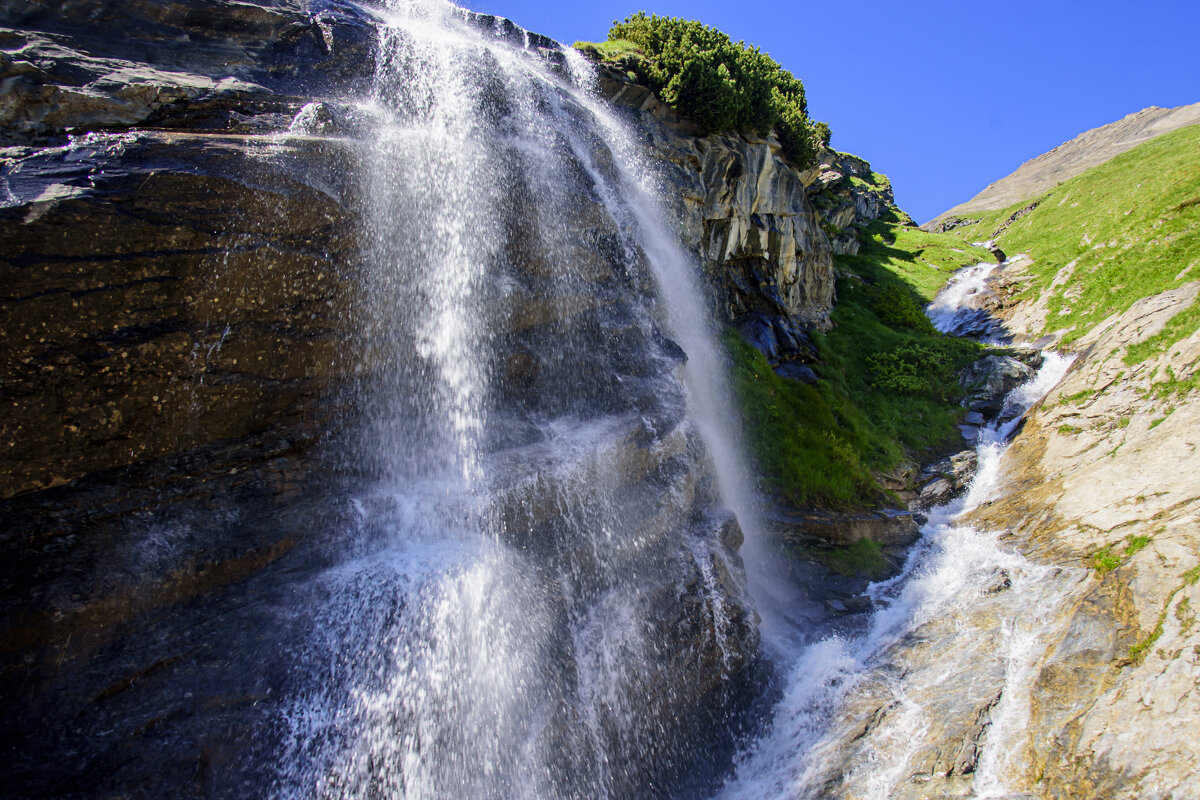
point(988, 380)
point(188, 380)
point(885, 527)
point(179, 64)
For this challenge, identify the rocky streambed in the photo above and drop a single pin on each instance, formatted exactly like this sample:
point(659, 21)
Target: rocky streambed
point(1038, 642)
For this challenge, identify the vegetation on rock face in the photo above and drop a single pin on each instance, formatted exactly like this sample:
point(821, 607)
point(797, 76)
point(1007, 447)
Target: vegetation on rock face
point(1124, 230)
point(887, 387)
point(1139, 651)
point(719, 84)
point(1106, 559)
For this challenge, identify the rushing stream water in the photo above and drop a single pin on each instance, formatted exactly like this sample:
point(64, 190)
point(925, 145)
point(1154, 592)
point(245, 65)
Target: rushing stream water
point(944, 573)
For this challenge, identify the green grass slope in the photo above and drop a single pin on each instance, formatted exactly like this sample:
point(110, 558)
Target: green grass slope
point(887, 391)
point(1128, 229)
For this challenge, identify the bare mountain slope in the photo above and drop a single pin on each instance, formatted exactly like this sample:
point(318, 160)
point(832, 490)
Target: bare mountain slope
point(1071, 158)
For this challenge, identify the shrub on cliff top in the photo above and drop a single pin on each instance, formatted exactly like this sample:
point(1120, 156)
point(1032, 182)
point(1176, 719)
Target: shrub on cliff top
point(719, 84)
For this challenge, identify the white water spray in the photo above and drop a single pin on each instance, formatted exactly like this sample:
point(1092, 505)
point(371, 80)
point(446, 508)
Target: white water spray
point(498, 629)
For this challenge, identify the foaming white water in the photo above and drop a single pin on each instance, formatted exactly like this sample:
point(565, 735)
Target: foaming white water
point(940, 581)
point(497, 627)
point(963, 287)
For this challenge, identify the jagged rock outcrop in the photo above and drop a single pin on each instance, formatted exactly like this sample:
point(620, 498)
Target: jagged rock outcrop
point(766, 232)
point(83, 66)
point(749, 215)
point(988, 380)
point(848, 195)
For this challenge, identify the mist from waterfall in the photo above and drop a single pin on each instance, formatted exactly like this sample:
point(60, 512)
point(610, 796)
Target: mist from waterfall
point(533, 599)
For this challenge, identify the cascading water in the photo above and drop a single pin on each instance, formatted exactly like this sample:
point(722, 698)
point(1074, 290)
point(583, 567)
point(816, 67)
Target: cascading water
point(533, 598)
point(801, 755)
point(956, 303)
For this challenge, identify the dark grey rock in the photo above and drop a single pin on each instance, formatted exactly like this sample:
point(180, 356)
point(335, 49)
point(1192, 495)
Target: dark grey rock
point(188, 383)
point(988, 380)
point(886, 526)
point(935, 493)
point(798, 372)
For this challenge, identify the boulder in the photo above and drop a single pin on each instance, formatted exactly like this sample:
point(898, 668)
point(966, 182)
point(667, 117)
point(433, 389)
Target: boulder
point(989, 379)
point(945, 478)
point(935, 493)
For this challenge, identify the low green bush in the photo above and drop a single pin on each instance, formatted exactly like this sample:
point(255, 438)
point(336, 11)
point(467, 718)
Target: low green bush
point(894, 305)
point(719, 84)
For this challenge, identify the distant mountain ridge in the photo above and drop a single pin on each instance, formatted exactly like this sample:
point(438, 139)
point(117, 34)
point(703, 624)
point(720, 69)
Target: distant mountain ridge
point(1069, 159)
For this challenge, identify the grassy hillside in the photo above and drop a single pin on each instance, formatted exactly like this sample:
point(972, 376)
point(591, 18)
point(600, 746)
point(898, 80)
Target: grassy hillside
point(887, 388)
point(1123, 230)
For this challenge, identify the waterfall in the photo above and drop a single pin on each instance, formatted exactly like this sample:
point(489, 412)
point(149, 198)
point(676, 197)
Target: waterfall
point(532, 597)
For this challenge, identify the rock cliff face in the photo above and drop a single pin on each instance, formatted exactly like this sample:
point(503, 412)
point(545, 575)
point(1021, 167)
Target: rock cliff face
point(172, 351)
point(764, 232)
point(189, 382)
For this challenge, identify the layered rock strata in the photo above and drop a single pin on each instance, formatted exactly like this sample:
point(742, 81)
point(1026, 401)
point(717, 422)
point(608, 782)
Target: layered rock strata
point(748, 215)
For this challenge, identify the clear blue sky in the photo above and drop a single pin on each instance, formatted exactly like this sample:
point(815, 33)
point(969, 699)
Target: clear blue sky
point(943, 96)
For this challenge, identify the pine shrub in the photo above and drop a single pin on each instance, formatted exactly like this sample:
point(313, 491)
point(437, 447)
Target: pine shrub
point(721, 85)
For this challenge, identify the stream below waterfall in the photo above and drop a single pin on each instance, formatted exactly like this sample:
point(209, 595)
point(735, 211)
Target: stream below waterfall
point(945, 571)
